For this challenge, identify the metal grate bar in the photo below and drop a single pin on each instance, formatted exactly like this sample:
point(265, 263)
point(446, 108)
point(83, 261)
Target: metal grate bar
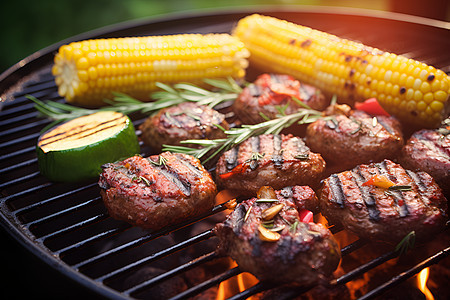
point(59, 196)
point(146, 238)
point(171, 273)
point(407, 274)
point(23, 127)
point(90, 239)
point(19, 165)
point(20, 140)
point(352, 247)
point(178, 246)
point(20, 179)
point(27, 191)
point(72, 228)
point(17, 153)
point(62, 212)
point(207, 284)
point(366, 267)
point(18, 119)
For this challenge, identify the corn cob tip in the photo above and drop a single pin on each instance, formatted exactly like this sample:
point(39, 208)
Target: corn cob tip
point(411, 90)
point(87, 72)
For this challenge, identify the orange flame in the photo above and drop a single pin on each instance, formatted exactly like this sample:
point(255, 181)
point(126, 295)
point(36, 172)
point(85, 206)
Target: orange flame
point(235, 285)
point(422, 279)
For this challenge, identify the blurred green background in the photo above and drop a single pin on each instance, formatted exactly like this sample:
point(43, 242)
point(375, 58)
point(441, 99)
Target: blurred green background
point(27, 26)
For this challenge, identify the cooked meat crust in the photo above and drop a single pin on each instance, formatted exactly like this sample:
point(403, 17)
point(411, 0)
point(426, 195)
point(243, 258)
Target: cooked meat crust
point(429, 151)
point(184, 121)
point(274, 160)
point(304, 253)
point(353, 137)
point(272, 90)
point(377, 213)
point(157, 191)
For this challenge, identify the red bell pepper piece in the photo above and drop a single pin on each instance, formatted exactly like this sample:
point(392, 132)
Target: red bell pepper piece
point(305, 215)
point(372, 107)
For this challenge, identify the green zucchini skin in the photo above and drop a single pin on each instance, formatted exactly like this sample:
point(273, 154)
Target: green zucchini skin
point(83, 163)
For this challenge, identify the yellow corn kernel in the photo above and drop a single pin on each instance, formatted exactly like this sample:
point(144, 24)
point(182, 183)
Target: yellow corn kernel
point(312, 56)
point(133, 65)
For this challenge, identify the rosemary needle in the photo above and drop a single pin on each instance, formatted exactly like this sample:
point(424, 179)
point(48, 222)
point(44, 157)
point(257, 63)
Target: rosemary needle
point(224, 90)
point(235, 136)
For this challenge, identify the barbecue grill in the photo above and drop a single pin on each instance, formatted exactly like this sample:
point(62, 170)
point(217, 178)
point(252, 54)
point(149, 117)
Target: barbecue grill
point(67, 226)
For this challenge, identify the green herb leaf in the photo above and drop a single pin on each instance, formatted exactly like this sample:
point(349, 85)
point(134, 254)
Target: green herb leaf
point(406, 243)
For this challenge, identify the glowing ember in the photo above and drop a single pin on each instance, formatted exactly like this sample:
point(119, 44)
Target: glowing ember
point(422, 283)
point(235, 285)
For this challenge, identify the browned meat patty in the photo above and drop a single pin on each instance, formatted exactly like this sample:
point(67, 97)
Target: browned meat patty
point(352, 137)
point(269, 240)
point(274, 160)
point(184, 121)
point(361, 200)
point(272, 90)
point(429, 151)
point(157, 191)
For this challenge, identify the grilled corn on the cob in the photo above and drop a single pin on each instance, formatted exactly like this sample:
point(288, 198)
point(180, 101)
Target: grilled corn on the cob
point(413, 91)
point(89, 71)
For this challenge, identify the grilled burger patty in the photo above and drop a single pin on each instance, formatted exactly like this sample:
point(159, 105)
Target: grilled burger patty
point(156, 191)
point(352, 137)
point(429, 151)
point(274, 160)
point(298, 252)
point(271, 90)
point(361, 201)
point(184, 121)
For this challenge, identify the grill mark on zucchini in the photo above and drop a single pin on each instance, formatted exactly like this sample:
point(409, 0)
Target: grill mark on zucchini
point(80, 134)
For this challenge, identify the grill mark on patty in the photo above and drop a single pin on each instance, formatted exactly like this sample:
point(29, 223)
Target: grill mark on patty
point(255, 143)
point(183, 186)
point(231, 158)
point(255, 90)
point(369, 199)
point(302, 149)
point(399, 200)
point(194, 169)
point(277, 157)
point(436, 146)
point(337, 190)
point(287, 192)
point(386, 126)
point(416, 179)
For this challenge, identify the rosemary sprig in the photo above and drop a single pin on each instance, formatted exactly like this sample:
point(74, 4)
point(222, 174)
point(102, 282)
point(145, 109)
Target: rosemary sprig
point(224, 90)
point(406, 243)
point(235, 136)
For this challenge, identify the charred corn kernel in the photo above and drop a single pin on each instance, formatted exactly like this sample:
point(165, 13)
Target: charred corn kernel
point(89, 71)
point(318, 58)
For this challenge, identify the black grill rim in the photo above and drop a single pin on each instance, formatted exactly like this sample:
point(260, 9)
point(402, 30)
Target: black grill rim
point(12, 80)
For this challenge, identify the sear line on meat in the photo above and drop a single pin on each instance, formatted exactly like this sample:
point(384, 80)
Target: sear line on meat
point(181, 122)
point(429, 151)
point(157, 191)
point(304, 253)
point(352, 137)
point(272, 91)
point(384, 202)
point(274, 160)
